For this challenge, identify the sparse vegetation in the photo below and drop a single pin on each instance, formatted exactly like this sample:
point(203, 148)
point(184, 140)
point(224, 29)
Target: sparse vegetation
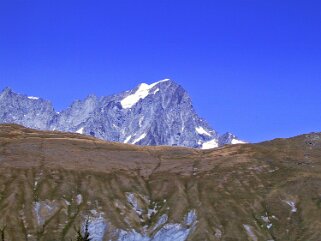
point(261, 186)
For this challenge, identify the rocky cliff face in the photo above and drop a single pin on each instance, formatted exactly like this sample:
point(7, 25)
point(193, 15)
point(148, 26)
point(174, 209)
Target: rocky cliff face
point(29, 111)
point(157, 114)
point(52, 182)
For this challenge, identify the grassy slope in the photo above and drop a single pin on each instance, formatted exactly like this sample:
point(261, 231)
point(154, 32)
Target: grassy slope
point(228, 187)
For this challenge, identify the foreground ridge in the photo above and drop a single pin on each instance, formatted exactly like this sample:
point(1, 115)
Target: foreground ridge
point(52, 182)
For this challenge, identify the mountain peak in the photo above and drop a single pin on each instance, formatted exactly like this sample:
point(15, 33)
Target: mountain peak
point(157, 83)
point(169, 81)
point(229, 138)
point(141, 92)
point(160, 113)
point(6, 90)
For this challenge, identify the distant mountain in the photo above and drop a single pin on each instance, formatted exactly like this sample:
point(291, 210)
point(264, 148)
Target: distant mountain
point(28, 111)
point(157, 114)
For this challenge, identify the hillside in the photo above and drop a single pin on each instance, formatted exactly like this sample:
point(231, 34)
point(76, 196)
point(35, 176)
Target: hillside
point(51, 182)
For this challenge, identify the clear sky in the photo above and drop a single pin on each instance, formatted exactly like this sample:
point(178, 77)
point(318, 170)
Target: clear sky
point(251, 67)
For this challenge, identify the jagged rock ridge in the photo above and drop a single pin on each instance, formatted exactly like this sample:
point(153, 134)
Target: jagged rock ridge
point(157, 114)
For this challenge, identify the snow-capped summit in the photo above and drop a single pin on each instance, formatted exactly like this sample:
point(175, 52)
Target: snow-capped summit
point(160, 113)
point(140, 92)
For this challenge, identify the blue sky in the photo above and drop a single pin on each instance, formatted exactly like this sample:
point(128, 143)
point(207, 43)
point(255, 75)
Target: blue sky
point(251, 67)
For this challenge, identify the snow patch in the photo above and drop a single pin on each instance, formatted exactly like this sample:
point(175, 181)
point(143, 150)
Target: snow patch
point(141, 93)
point(172, 232)
point(161, 221)
point(236, 141)
point(134, 203)
point(250, 232)
point(151, 212)
point(96, 226)
point(80, 130)
point(292, 205)
point(200, 130)
point(127, 139)
point(166, 232)
point(36, 208)
point(140, 122)
point(266, 219)
point(33, 98)
point(218, 233)
point(155, 91)
point(210, 144)
point(131, 236)
point(190, 217)
point(43, 210)
point(141, 137)
point(79, 199)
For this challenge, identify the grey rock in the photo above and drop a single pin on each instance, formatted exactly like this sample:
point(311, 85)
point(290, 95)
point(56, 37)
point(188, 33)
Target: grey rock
point(157, 114)
point(229, 138)
point(20, 109)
